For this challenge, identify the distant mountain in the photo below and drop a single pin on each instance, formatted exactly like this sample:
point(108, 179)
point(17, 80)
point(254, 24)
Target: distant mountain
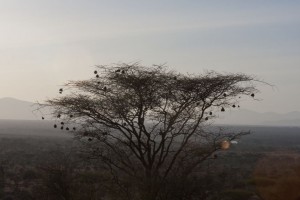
point(247, 117)
point(15, 109)
point(11, 108)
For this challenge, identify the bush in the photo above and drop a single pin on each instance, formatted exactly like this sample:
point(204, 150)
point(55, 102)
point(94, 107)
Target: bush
point(237, 194)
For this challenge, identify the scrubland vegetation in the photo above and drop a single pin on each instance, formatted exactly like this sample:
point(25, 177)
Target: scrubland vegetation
point(34, 167)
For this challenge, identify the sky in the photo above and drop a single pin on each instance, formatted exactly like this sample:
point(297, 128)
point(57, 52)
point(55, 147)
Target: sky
point(45, 43)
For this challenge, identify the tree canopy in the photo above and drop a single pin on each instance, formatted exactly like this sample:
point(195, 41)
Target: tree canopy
point(150, 123)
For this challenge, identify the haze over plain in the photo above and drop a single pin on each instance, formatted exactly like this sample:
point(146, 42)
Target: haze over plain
point(14, 109)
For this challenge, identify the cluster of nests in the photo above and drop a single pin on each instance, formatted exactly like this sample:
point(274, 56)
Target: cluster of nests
point(62, 124)
point(117, 71)
point(97, 76)
point(223, 109)
point(62, 127)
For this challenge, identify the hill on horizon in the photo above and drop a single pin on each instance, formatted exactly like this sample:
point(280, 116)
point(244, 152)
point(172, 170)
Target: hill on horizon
point(248, 117)
point(15, 109)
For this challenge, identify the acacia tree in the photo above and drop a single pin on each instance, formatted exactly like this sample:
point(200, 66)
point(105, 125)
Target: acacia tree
point(149, 123)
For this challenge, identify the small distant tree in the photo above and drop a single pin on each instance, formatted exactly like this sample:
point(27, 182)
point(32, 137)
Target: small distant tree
point(150, 124)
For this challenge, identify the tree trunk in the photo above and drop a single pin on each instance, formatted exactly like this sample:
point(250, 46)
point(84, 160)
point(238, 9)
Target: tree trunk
point(149, 191)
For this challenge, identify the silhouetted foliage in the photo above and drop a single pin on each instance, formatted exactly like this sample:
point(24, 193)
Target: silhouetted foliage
point(149, 124)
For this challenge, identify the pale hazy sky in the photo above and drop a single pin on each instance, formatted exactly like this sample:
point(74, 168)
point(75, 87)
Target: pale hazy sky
point(44, 43)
